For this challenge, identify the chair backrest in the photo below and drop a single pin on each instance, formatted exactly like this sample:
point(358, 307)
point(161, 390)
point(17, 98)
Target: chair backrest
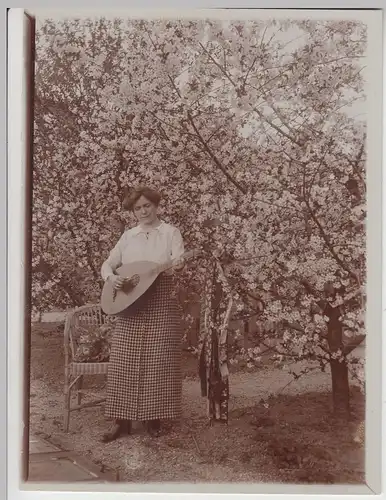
point(89, 315)
point(84, 316)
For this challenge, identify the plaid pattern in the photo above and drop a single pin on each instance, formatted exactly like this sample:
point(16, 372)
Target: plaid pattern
point(145, 373)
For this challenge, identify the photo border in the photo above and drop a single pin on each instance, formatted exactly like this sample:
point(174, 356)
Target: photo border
point(16, 290)
point(3, 259)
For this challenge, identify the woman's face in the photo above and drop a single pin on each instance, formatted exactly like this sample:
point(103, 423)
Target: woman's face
point(145, 211)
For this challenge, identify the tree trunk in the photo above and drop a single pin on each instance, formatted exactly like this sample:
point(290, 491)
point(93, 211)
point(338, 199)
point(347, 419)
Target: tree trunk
point(340, 389)
point(246, 334)
point(339, 368)
point(76, 298)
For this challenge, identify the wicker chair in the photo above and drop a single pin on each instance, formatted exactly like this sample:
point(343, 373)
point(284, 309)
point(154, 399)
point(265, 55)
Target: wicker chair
point(74, 371)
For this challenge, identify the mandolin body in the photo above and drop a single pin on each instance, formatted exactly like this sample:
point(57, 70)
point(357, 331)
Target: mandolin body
point(115, 302)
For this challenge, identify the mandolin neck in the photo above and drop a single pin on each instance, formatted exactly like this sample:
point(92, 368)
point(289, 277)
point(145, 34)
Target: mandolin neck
point(164, 267)
point(171, 263)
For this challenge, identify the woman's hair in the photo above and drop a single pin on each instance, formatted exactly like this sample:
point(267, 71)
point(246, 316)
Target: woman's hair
point(136, 193)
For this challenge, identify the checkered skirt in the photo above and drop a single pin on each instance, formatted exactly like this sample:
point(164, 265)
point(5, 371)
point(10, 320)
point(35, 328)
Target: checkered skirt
point(145, 374)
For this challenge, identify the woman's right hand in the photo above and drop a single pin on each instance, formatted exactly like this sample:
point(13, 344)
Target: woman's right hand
point(117, 281)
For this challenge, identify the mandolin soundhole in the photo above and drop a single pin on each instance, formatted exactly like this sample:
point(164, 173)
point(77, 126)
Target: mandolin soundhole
point(135, 280)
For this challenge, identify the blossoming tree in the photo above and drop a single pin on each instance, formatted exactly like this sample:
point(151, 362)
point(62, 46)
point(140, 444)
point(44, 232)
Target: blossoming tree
point(246, 128)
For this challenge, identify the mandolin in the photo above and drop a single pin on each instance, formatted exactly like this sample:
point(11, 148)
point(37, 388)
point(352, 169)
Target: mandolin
point(140, 276)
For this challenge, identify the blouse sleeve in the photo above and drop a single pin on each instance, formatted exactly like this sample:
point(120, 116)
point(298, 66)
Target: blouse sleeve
point(177, 244)
point(113, 261)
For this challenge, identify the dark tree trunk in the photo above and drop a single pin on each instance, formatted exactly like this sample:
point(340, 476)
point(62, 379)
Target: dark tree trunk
point(339, 368)
point(246, 334)
point(76, 298)
point(340, 389)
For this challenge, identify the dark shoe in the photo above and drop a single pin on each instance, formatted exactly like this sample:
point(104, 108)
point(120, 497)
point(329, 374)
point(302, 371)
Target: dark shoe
point(119, 428)
point(154, 428)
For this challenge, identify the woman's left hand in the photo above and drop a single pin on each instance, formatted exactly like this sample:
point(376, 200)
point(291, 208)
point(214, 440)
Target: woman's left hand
point(179, 264)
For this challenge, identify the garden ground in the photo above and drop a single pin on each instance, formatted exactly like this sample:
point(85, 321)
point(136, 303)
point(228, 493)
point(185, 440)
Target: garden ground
point(293, 438)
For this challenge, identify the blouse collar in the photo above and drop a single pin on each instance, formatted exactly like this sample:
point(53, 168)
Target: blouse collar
point(139, 229)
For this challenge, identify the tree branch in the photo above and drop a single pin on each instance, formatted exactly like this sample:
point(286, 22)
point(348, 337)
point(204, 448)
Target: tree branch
point(213, 156)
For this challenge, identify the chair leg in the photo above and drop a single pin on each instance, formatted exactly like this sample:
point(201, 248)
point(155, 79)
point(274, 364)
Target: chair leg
point(67, 412)
point(79, 387)
point(67, 403)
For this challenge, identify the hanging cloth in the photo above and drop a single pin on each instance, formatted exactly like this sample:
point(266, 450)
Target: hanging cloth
point(215, 313)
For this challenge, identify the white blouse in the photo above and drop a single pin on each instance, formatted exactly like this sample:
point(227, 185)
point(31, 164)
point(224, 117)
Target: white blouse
point(159, 244)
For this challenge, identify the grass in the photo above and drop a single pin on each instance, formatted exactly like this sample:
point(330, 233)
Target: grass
point(294, 440)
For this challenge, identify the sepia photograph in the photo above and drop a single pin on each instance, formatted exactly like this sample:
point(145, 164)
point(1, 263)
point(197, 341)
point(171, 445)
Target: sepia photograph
point(198, 281)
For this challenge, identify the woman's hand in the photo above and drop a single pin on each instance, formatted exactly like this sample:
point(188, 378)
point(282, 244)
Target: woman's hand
point(117, 281)
point(179, 264)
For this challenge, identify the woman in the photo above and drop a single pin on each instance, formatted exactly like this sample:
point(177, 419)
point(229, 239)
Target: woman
point(144, 378)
